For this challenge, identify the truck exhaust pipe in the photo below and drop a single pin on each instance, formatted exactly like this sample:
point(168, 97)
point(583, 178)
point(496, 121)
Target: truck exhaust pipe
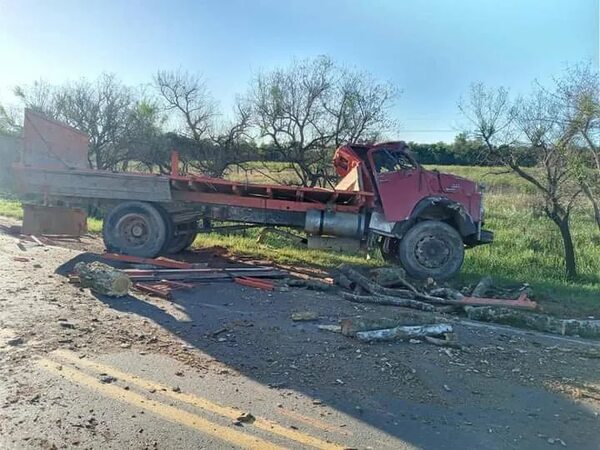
point(331, 223)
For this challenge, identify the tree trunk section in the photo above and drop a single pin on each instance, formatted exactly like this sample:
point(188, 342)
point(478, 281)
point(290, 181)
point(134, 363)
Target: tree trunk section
point(103, 279)
point(404, 332)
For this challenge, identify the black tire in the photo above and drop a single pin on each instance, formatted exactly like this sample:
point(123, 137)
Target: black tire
point(431, 249)
point(389, 249)
point(135, 228)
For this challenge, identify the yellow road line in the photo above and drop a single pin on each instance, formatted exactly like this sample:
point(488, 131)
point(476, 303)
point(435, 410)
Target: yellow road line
point(313, 422)
point(170, 413)
point(199, 402)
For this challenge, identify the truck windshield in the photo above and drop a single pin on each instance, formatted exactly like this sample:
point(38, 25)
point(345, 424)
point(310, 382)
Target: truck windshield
point(389, 161)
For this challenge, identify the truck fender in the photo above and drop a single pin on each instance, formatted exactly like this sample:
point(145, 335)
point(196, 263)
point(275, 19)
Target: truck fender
point(439, 208)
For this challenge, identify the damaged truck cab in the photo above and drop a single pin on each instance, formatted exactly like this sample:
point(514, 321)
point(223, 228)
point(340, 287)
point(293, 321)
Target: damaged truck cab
point(421, 219)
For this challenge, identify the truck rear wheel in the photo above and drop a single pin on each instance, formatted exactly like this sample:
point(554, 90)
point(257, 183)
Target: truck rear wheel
point(135, 228)
point(431, 249)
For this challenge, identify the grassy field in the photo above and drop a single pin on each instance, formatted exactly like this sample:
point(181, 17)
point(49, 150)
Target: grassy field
point(527, 247)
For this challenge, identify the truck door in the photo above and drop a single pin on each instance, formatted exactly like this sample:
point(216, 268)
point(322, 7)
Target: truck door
point(398, 181)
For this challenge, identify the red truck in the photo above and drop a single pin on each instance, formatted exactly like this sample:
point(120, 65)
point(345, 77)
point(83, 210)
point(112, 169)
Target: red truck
point(421, 219)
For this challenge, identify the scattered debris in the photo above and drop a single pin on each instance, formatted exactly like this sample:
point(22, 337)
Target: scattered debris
point(246, 418)
point(481, 288)
point(309, 283)
point(304, 316)
point(103, 279)
point(265, 285)
point(404, 332)
point(105, 378)
point(351, 326)
point(20, 259)
point(15, 341)
point(332, 328)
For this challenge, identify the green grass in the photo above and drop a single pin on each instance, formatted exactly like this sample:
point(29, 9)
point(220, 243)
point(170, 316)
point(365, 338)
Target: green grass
point(527, 246)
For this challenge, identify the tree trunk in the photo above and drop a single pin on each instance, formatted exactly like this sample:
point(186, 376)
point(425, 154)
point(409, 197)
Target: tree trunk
point(565, 232)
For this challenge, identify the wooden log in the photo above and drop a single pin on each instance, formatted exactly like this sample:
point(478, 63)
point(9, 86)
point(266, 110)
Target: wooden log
point(376, 289)
point(481, 288)
point(371, 286)
point(404, 332)
point(103, 279)
point(353, 325)
point(387, 300)
point(539, 322)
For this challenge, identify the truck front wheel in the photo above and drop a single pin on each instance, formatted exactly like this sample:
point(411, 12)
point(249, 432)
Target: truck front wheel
point(431, 249)
point(135, 228)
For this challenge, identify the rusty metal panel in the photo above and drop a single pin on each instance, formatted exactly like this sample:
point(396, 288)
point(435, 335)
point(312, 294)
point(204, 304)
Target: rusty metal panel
point(48, 143)
point(53, 220)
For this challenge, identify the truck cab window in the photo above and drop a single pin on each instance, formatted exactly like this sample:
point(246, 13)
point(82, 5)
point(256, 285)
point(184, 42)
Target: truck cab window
point(388, 161)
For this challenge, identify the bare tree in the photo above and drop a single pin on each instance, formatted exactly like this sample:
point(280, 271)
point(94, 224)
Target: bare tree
point(578, 93)
point(102, 110)
point(41, 96)
point(515, 132)
point(302, 111)
point(187, 97)
point(10, 123)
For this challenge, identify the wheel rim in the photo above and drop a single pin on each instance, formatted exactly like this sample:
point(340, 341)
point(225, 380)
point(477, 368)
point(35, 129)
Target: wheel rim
point(134, 230)
point(432, 252)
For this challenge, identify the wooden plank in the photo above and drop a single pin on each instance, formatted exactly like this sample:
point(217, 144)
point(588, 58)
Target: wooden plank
point(92, 184)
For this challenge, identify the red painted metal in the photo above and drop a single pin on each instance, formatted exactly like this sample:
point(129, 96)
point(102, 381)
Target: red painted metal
point(523, 302)
point(265, 285)
point(154, 289)
point(260, 203)
point(174, 164)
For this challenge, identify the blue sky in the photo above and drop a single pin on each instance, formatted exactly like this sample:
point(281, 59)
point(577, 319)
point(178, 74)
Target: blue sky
point(431, 49)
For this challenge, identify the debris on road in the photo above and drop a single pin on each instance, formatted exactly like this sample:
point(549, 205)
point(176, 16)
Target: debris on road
point(305, 316)
point(105, 378)
point(13, 342)
point(404, 332)
point(351, 326)
point(246, 418)
point(103, 279)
